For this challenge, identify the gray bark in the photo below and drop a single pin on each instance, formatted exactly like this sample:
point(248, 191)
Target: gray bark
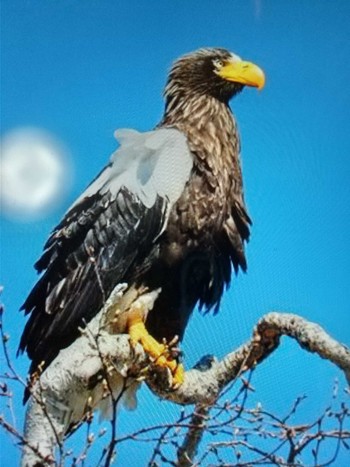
point(64, 393)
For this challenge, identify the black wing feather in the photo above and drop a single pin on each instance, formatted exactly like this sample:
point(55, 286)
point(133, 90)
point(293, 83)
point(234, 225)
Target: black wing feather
point(89, 252)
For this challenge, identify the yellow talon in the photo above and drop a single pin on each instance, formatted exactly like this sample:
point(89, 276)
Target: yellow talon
point(138, 334)
point(158, 352)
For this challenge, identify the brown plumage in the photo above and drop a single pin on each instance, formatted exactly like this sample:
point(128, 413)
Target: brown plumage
point(168, 212)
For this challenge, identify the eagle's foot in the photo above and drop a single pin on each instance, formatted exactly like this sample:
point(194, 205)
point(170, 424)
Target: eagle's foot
point(163, 355)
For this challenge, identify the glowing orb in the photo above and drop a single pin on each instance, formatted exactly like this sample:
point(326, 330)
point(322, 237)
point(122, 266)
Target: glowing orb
point(35, 173)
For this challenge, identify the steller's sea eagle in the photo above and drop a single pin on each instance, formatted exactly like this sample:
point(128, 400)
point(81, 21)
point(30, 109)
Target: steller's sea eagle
point(167, 214)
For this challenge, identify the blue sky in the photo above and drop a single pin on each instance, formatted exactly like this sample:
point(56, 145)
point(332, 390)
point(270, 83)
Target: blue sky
point(80, 69)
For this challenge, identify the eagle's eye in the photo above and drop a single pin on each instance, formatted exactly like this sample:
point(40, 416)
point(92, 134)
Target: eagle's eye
point(218, 63)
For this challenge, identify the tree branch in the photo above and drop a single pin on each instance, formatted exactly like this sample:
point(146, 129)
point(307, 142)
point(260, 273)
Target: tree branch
point(71, 386)
point(265, 340)
point(204, 386)
point(188, 450)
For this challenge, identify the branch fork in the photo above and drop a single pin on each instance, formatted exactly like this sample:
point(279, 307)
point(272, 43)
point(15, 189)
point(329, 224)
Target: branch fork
point(67, 390)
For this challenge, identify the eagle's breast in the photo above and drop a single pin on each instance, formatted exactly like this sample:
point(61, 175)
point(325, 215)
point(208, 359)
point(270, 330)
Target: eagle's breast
point(205, 204)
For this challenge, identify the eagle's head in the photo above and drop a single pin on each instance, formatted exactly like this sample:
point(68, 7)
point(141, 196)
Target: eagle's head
point(212, 71)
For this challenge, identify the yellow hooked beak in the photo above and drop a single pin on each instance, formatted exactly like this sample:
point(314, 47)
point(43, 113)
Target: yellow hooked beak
point(242, 72)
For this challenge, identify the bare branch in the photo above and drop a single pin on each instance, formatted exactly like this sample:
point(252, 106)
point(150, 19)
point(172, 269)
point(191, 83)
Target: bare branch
point(70, 388)
point(266, 336)
point(203, 387)
point(188, 450)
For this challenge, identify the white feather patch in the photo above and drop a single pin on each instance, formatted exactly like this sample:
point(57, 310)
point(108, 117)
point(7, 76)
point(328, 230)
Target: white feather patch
point(148, 164)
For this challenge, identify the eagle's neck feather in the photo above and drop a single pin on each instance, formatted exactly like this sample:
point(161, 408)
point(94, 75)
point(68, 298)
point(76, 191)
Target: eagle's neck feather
point(206, 121)
point(213, 139)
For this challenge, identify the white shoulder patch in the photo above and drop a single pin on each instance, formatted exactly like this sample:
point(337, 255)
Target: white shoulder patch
point(148, 164)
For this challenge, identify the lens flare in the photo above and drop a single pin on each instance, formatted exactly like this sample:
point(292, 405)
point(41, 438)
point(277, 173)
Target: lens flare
point(35, 174)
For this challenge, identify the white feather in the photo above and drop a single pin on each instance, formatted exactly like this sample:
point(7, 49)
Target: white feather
point(148, 164)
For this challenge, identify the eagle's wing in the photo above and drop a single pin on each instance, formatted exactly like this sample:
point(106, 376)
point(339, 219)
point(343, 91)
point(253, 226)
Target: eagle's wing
point(111, 228)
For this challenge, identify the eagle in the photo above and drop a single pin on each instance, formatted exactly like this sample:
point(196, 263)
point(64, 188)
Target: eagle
point(166, 216)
